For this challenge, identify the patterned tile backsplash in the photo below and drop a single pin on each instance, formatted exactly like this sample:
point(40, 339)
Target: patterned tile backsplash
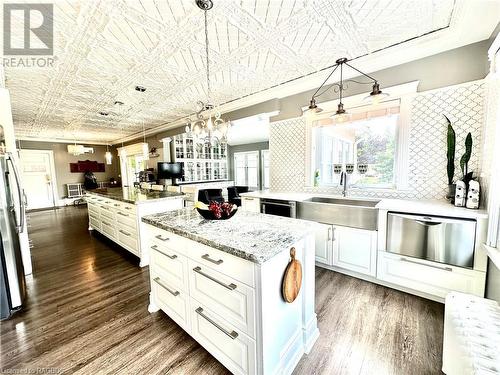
point(427, 178)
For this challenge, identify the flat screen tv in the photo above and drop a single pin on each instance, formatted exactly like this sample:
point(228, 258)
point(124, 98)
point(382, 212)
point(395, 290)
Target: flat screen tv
point(169, 170)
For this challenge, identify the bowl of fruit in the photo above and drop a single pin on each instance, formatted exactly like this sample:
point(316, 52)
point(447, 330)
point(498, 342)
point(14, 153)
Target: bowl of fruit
point(216, 210)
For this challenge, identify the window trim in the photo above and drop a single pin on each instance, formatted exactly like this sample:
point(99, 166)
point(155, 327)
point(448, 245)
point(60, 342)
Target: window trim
point(404, 93)
point(262, 170)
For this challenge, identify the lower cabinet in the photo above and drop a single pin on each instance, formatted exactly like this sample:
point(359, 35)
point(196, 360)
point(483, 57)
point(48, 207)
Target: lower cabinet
point(429, 277)
point(324, 245)
point(355, 249)
point(348, 248)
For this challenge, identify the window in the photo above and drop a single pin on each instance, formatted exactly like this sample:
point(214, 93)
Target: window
point(246, 169)
point(265, 169)
point(368, 138)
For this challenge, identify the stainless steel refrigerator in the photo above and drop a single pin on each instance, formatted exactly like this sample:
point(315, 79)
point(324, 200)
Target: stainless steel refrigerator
point(12, 222)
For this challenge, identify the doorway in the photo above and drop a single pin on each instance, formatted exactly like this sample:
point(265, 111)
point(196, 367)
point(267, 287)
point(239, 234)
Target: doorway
point(39, 178)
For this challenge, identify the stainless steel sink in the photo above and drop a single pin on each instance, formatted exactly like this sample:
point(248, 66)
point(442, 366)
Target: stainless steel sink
point(355, 213)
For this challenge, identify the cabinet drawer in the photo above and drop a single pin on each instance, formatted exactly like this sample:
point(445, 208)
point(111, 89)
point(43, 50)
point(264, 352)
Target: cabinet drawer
point(94, 223)
point(126, 219)
point(250, 204)
point(174, 302)
point(93, 208)
point(126, 208)
point(429, 277)
point(108, 229)
point(230, 298)
point(167, 239)
point(232, 348)
point(170, 266)
point(234, 267)
point(108, 213)
point(128, 240)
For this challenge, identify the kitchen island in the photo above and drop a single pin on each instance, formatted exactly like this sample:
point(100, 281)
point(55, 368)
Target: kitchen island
point(221, 281)
point(116, 213)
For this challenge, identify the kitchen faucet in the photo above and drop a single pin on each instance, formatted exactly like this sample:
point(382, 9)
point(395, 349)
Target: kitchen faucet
point(343, 182)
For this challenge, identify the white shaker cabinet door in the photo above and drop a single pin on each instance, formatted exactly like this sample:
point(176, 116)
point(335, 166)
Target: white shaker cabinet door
point(324, 245)
point(355, 249)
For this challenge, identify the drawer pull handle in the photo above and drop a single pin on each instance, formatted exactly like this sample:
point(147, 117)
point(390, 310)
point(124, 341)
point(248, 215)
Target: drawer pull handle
point(161, 238)
point(207, 257)
point(231, 334)
point(175, 293)
point(125, 233)
point(121, 213)
point(128, 208)
point(100, 200)
point(106, 223)
point(449, 269)
point(154, 247)
point(230, 286)
point(116, 205)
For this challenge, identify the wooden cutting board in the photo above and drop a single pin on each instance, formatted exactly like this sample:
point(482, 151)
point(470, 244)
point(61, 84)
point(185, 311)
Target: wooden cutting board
point(292, 279)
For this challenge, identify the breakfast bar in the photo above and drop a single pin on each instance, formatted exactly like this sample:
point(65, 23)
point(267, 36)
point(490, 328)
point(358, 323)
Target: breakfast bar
point(222, 282)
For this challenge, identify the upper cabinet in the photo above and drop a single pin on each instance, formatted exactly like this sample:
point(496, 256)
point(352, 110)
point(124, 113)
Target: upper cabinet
point(201, 162)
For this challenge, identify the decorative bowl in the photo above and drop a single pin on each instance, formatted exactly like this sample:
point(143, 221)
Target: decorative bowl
point(209, 215)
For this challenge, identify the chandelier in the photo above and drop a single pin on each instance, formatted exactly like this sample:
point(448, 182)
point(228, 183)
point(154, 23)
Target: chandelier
point(204, 129)
point(341, 115)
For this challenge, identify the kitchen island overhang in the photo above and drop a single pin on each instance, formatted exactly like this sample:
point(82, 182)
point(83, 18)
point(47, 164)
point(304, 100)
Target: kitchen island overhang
point(221, 281)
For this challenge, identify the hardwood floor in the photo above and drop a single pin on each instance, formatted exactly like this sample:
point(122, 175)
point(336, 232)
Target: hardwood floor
point(87, 314)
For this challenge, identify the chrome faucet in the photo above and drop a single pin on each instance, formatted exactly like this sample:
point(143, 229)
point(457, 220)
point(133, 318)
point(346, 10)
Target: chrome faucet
point(343, 183)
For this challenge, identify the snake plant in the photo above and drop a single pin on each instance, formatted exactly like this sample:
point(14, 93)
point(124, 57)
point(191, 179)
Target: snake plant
point(464, 160)
point(451, 139)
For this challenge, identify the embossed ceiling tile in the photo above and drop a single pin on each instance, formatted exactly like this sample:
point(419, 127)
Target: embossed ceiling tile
point(103, 49)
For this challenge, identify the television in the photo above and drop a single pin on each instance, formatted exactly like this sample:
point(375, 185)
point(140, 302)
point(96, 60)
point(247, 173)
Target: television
point(169, 170)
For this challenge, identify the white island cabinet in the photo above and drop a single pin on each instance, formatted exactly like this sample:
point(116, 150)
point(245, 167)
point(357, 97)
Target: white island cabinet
point(221, 281)
point(116, 213)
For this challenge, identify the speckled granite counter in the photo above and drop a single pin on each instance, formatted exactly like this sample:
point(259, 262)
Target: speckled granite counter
point(252, 236)
point(135, 196)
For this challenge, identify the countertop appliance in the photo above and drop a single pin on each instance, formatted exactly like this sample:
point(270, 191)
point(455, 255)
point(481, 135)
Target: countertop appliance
point(440, 239)
point(278, 207)
point(12, 222)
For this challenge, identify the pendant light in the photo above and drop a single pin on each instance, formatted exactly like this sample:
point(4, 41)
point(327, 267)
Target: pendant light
point(213, 128)
point(341, 115)
point(107, 156)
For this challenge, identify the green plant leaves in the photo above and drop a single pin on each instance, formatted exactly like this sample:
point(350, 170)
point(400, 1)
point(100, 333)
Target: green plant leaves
point(464, 160)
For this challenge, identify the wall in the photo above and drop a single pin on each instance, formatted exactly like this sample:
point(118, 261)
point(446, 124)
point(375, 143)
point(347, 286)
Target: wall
point(62, 159)
point(463, 104)
point(231, 150)
point(464, 64)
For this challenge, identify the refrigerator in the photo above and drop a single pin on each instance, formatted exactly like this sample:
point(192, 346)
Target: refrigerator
point(12, 224)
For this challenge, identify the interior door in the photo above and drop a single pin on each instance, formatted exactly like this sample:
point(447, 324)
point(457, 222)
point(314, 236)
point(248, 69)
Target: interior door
point(38, 178)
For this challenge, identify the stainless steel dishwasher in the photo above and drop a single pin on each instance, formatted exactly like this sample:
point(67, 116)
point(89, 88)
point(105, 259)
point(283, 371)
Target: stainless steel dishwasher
point(435, 238)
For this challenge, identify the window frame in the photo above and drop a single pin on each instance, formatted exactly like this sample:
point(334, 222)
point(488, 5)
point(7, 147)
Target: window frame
point(404, 93)
point(263, 169)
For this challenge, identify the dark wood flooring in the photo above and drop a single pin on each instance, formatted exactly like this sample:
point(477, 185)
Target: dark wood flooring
point(87, 314)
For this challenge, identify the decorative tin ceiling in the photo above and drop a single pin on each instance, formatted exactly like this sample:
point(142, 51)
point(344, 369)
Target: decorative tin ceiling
point(103, 49)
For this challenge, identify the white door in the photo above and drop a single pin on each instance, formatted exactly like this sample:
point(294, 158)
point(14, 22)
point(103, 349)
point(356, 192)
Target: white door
point(246, 169)
point(37, 169)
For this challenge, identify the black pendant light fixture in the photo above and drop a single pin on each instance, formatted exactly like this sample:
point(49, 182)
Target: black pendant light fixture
point(340, 114)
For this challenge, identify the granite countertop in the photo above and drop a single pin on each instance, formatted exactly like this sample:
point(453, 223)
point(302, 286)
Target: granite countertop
point(134, 195)
point(251, 236)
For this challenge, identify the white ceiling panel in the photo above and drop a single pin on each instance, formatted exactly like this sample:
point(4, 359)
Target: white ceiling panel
point(104, 48)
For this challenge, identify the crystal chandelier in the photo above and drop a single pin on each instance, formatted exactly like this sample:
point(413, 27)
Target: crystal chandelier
point(208, 127)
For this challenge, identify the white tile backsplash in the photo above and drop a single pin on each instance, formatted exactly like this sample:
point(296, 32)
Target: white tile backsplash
point(463, 104)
